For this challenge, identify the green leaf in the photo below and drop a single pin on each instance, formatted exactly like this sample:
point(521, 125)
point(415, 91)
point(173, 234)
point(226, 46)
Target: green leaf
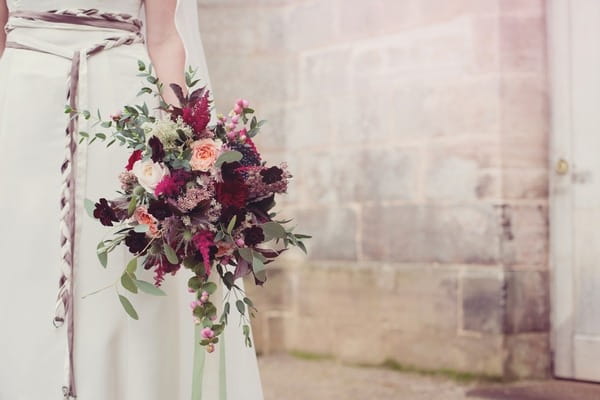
point(210, 287)
point(195, 282)
point(231, 224)
point(170, 253)
point(149, 288)
point(89, 207)
point(101, 136)
point(246, 253)
point(141, 228)
point(248, 301)
point(127, 282)
point(132, 205)
point(228, 156)
point(103, 257)
point(301, 236)
point(257, 265)
point(141, 65)
point(302, 247)
point(128, 307)
point(240, 306)
point(273, 230)
point(131, 265)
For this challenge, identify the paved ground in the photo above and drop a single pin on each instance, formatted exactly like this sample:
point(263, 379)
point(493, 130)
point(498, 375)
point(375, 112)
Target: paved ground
point(288, 378)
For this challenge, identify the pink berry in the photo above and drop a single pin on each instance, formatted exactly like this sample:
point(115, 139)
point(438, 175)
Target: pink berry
point(210, 348)
point(207, 333)
point(239, 242)
point(191, 290)
point(235, 119)
point(238, 109)
point(245, 103)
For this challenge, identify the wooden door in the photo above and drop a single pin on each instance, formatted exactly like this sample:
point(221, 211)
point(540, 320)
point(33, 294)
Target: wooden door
point(574, 59)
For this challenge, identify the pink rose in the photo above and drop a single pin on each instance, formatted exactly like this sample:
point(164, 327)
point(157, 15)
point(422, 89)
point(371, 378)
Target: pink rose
point(204, 154)
point(142, 216)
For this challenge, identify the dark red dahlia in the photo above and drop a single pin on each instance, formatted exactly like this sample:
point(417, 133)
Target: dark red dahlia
point(105, 213)
point(158, 151)
point(253, 235)
point(160, 209)
point(136, 241)
point(232, 193)
point(228, 171)
point(271, 175)
point(197, 114)
point(135, 156)
point(169, 186)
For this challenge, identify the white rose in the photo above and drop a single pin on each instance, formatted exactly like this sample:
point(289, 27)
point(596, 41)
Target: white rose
point(149, 173)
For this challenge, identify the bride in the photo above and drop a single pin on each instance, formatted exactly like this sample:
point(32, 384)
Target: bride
point(55, 341)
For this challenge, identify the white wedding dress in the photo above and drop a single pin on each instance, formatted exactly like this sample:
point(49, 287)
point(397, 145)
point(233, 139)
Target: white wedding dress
point(114, 356)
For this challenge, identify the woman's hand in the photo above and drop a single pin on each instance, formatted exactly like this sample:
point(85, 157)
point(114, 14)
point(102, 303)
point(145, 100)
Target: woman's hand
point(165, 45)
point(3, 20)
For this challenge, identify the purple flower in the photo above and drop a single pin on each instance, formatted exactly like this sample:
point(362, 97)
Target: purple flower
point(158, 152)
point(105, 213)
point(160, 209)
point(271, 175)
point(136, 241)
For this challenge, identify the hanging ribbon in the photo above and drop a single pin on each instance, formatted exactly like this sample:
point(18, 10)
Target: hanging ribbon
point(71, 176)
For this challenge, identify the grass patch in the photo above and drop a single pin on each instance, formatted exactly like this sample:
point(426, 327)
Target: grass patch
point(454, 375)
point(305, 355)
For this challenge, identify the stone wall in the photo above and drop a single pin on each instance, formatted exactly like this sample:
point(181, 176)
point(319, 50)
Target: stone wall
point(416, 131)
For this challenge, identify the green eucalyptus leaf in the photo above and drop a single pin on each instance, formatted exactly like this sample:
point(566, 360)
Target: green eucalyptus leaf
point(89, 207)
point(246, 253)
point(141, 228)
point(127, 282)
point(149, 288)
point(228, 156)
point(240, 306)
point(103, 257)
point(131, 265)
point(129, 309)
point(231, 224)
point(273, 230)
point(210, 287)
point(132, 205)
point(170, 254)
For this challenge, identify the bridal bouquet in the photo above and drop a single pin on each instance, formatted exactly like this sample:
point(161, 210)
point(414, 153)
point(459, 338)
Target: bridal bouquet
point(192, 195)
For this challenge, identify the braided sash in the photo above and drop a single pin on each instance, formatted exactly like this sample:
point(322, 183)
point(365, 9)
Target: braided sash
point(132, 34)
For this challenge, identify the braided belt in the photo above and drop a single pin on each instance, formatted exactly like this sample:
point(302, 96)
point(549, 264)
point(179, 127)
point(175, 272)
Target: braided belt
point(132, 34)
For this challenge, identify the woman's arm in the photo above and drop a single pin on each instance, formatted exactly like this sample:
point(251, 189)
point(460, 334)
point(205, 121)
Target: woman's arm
point(165, 45)
point(3, 19)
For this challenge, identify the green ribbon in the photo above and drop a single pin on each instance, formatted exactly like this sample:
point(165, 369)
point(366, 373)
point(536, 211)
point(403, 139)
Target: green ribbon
point(222, 371)
point(199, 359)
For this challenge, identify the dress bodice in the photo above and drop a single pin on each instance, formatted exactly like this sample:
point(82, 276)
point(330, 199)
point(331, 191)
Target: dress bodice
point(131, 7)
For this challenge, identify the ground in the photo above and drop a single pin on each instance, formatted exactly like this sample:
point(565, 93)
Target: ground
point(287, 377)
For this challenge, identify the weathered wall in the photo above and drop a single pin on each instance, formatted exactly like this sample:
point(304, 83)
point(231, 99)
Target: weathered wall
point(416, 131)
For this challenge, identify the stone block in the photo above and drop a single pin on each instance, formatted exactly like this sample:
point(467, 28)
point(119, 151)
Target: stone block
point(523, 44)
point(445, 234)
point(527, 302)
point(325, 71)
point(525, 122)
point(482, 301)
point(525, 234)
point(521, 183)
point(334, 231)
point(528, 356)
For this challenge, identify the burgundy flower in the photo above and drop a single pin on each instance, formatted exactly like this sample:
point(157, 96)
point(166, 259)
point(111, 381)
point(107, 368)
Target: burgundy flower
point(105, 213)
point(228, 212)
point(136, 241)
point(197, 115)
point(253, 235)
point(160, 209)
point(204, 240)
point(135, 156)
point(167, 186)
point(232, 193)
point(158, 151)
point(271, 175)
point(228, 170)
